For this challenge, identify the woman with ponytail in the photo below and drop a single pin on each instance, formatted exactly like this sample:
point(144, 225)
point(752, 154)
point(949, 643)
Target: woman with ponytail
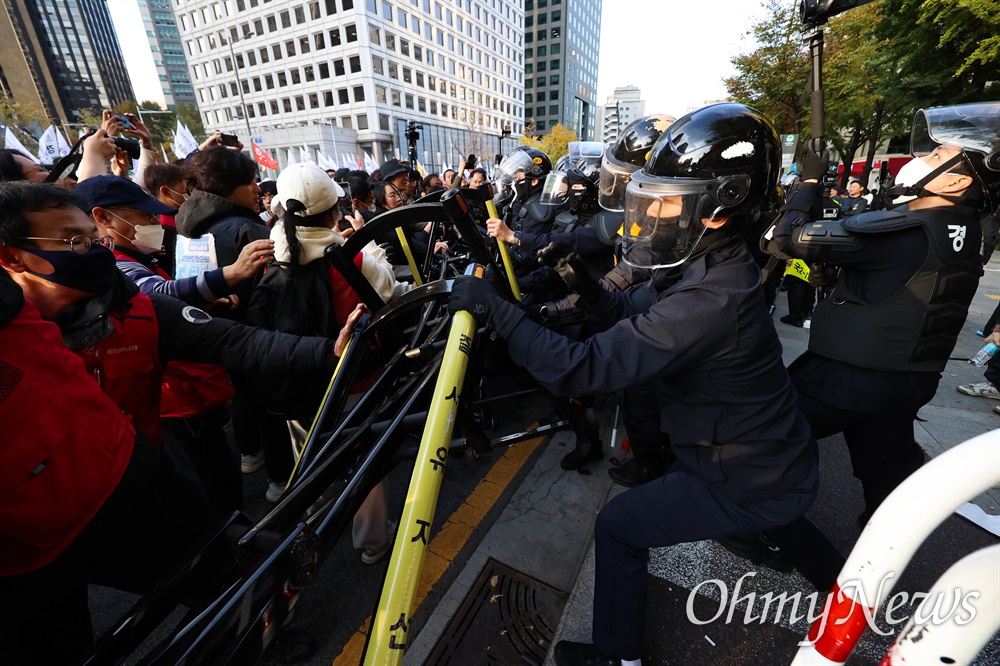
point(301, 293)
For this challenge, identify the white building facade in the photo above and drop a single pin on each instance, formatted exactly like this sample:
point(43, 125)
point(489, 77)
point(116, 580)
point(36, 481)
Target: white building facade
point(624, 106)
point(345, 76)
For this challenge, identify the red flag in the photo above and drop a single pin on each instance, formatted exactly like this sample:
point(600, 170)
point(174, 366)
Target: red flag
point(263, 158)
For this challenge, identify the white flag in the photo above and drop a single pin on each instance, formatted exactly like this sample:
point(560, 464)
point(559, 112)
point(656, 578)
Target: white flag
point(184, 141)
point(306, 155)
point(346, 162)
point(11, 143)
point(370, 163)
point(48, 146)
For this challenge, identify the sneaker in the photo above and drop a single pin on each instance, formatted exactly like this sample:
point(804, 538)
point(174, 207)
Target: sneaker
point(274, 491)
point(375, 554)
point(251, 463)
point(980, 334)
point(980, 390)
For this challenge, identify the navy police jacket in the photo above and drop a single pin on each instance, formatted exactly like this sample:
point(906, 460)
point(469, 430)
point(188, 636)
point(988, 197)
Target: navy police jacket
point(708, 346)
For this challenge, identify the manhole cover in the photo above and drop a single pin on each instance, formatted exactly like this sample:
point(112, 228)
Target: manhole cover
point(507, 618)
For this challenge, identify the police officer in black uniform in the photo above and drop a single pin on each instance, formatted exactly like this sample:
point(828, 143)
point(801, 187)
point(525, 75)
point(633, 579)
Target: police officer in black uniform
point(700, 335)
point(880, 341)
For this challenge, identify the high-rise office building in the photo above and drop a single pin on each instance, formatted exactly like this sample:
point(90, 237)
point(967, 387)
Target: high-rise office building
point(561, 49)
point(61, 56)
point(339, 76)
point(624, 106)
point(168, 52)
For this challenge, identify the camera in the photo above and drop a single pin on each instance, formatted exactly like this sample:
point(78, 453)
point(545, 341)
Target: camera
point(126, 123)
point(229, 140)
point(130, 146)
point(816, 12)
point(470, 162)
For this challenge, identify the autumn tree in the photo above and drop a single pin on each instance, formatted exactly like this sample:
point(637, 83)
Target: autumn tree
point(555, 144)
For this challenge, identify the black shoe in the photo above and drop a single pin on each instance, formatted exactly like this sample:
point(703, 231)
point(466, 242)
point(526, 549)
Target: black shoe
point(587, 451)
point(757, 548)
point(568, 653)
point(632, 473)
point(791, 320)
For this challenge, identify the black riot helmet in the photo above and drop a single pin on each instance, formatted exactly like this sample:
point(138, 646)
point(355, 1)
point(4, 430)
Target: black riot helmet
point(717, 162)
point(627, 155)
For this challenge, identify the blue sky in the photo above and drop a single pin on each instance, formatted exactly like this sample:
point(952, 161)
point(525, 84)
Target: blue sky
point(676, 51)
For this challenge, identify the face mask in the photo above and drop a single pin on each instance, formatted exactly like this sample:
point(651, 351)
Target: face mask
point(148, 237)
point(913, 172)
point(180, 194)
point(92, 272)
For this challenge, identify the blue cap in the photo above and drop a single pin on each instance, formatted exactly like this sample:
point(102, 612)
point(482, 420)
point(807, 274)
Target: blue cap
point(115, 191)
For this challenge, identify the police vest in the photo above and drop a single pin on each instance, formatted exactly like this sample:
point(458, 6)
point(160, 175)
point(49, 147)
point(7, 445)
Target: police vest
point(190, 389)
point(916, 328)
point(64, 446)
point(126, 366)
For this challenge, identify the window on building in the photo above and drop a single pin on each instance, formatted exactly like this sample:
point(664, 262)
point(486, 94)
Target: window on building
point(324, 70)
point(374, 35)
point(539, 97)
point(331, 7)
point(286, 20)
point(351, 32)
point(300, 15)
point(553, 64)
point(274, 107)
point(359, 93)
point(282, 80)
point(309, 73)
point(401, 18)
point(335, 37)
point(540, 81)
point(434, 107)
point(383, 122)
point(300, 103)
point(542, 35)
point(541, 67)
point(342, 95)
point(418, 52)
point(377, 66)
point(286, 104)
point(290, 48)
point(390, 41)
point(409, 102)
point(542, 51)
point(407, 75)
point(554, 80)
point(420, 79)
point(328, 98)
point(394, 95)
point(404, 47)
point(303, 45)
point(296, 77)
point(314, 11)
point(345, 121)
point(355, 64)
point(362, 122)
point(540, 125)
point(338, 67)
point(555, 49)
point(313, 101)
point(529, 69)
point(528, 98)
point(268, 81)
point(393, 70)
point(380, 94)
point(263, 56)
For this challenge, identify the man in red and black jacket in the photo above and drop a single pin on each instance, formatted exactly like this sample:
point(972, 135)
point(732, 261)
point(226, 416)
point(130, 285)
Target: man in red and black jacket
point(120, 339)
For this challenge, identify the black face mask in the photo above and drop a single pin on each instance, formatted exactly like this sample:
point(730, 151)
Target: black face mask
point(92, 272)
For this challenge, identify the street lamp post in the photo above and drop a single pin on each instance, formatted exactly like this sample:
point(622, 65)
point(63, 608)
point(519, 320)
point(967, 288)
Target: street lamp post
point(239, 84)
point(504, 133)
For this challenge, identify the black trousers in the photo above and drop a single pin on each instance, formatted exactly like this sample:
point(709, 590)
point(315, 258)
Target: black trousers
point(206, 446)
point(676, 508)
point(882, 448)
point(256, 430)
point(151, 521)
point(801, 297)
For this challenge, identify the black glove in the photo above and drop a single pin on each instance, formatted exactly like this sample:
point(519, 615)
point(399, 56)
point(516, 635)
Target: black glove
point(391, 255)
point(813, 167)
point(570, 266)
point(478, 297)
point(823, 276)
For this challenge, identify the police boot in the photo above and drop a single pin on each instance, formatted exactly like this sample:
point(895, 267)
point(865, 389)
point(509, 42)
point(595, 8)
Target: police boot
point(651, 461)
point(634, 472)
point(757, 548)
point(587, 450)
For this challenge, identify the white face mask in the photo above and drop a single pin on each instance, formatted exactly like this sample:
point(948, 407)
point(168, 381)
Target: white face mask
point(913, 172)
point(182, 195)
point(148, 237)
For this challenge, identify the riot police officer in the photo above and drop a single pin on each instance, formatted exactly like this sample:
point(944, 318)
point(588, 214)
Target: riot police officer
point(881, 339)
point(700, 335)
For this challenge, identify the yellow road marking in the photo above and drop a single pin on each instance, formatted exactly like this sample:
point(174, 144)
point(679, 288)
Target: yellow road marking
point(454, 534)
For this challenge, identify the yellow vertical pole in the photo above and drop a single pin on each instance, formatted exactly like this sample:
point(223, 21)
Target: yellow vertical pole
point(508, 265)
point(417, 279)
point(390, 629)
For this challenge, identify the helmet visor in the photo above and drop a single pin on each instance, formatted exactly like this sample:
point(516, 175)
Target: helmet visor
point(974, 127)
point(578, 150)
point(515, 163)
point(664, 221)
point(503, 187)
point(611, 185)
point(556, 189)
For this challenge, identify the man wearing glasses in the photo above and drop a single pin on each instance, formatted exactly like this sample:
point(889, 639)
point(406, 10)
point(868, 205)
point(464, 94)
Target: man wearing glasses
point(57, 531)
